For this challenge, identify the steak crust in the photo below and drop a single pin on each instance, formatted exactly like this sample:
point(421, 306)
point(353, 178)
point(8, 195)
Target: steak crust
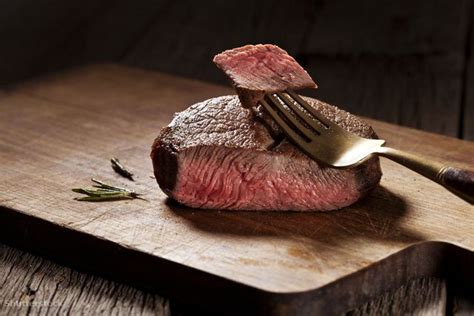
point(218, 155)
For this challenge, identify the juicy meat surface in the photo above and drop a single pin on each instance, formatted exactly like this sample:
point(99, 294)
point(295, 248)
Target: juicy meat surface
point(217, 155)
point(258, 69)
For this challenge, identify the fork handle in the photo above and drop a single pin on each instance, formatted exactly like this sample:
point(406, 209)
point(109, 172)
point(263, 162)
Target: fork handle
point(458, 181)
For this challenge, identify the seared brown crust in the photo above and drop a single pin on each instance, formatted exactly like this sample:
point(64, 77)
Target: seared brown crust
point(223, 123)
point(343, 118)
point(366, 173)
point(165, 159)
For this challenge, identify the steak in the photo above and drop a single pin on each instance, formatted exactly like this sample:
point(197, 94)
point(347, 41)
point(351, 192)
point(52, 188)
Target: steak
point(258, 69)
point(219, 155)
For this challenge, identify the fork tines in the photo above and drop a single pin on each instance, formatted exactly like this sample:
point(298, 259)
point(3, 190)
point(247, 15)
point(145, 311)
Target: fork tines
point(295, 116)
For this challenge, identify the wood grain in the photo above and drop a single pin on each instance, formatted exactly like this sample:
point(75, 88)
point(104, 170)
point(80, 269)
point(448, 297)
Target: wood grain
point(389, 28)
point(34, 286)
point(45, 35)
point(117, 29)
point(408, 56)
point(185, 37)
point(467, 119)
point(347, 45)
point(59, 131)
point(412, 90)
point(419, 297)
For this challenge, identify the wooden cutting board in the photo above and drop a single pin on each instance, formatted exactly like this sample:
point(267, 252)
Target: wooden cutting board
point(59, 131)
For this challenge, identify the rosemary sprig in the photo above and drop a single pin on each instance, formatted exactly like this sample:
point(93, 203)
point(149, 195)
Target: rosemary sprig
point(120, 169)
point(104, 186)
point(105, 192)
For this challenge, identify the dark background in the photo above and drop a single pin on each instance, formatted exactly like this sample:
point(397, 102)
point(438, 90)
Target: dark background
point(408, 62)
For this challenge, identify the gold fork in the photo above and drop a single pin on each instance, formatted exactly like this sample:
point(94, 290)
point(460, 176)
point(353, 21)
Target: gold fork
point(328, 143)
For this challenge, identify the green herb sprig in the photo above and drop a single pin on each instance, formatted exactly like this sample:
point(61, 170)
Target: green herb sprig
point(120, 169)
point(106, 192)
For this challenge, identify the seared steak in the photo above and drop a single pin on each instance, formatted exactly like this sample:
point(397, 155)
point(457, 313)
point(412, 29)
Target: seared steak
point(217, 155)
point(258, 69)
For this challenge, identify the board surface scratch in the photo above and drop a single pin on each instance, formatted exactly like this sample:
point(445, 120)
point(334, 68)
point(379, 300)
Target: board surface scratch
point(59, 131)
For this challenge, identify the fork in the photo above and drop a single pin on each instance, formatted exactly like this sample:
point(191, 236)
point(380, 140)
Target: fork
point(328, 143)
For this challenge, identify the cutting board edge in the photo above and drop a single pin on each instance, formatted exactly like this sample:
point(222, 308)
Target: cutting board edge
point(423, 259)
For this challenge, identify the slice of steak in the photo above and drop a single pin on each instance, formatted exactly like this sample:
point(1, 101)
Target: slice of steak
point(216, 155)
point(258, 69)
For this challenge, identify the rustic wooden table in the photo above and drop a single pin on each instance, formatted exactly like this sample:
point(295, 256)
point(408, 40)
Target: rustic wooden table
point(40, 288)
point(425, 71)
point(32, 285)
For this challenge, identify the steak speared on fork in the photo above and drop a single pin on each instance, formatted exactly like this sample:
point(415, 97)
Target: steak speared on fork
point(258, 69)
point(215, 154)
point(220, 154)
point(326, 142)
